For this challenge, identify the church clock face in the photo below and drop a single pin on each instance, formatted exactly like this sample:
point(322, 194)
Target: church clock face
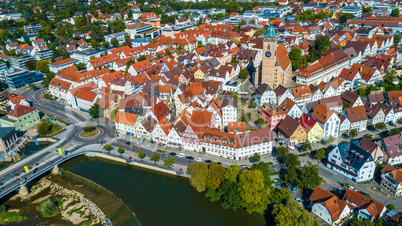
point(268, 54)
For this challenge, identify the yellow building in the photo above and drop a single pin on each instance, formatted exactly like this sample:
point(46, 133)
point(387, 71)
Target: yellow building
point(200, 73)
point(312, 127)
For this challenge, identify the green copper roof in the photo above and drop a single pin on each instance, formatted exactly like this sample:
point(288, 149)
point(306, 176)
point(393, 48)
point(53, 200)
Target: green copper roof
point(270, 33)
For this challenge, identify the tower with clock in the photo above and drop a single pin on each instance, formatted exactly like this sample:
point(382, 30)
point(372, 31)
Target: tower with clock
point(269, 61)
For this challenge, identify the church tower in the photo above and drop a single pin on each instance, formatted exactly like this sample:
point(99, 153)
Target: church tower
point(267, 73)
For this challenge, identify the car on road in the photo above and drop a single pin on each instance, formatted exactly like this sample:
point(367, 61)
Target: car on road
point(190, 157)
point(219, 163)
point(128, 143)
point(198, 159)
point(289, 187)
point(173, 153)
point(352, 188)
point(294, 189)
point(298, 200)
point(207, 161)
point(165, 155)
point(181, 155)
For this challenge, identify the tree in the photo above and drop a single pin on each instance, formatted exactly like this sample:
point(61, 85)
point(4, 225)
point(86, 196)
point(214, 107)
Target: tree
point(199, 175)
point(155, 158)
point(32, 86)
point(256, 158)
point(167, 52)
point(88, 128)
point(243, 74)
point(48, 77)
point(320, 154)
point(153, 41)
point(260, 31)
point(141, 58)
point(353, 133)
point(216, 174)
point(260, 121)
point(141, 155)
point(94, 44)
point(230, 197)
point(114, 42)
point(306, 146)
point(394, 131)
point(252, 191)
point(232, 173)
point(297, 18)
point(113, 115)
point(330, 139)
point(303, 177)
point(390, 207)
point(80, 66)
point(199, 45)
point(95, 111)
point(129, 63)
point(168, 162)
point(368, 10)
point(120, 150)
point(107, 147)
point(292, 213)
point(397, 38)
point(281, 151)
point(281, 196)
point(30, 64)
point(395, 12)
point(291, 160)
point(234, 95)
point(380, 126)
point(42, 65)
point(49, 209)
point(322, 44)
point(263, 167)
point(399, 121)
point(362, 92)
point(296, 57)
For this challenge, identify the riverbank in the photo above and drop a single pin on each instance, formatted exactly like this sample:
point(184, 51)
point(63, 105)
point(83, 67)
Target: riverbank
point(80, 202)
point(137, 164)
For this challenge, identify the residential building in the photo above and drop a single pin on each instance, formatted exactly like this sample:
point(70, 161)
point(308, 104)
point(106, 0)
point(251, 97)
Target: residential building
point(352, 162)
point(392, 147)
point(126, 122)
point(391, 179)
point(328, 206)
point(120, 37)
point(229, 110)
point(312, 127)
point(364, 207)
point(62, 64)
point(236, 146)
point(328, 120)
point(291, 131)
point(357, 117)
point(373, 149)
point(302, 95)
point(22, 118)
point(16, 78)
point(19, 61)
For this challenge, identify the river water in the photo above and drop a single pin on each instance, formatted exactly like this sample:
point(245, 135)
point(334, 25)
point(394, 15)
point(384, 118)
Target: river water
point(156, 198)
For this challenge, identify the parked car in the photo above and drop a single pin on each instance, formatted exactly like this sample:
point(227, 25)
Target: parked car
point(198, 159)
point(128, 143)
point(219, 163)
point(352, 188)
point(208, 161)
point(278, 184)
point(289, 187)
point(172, 153)
point(165, 155)
point(181, 155)
point(283, 185)
point(294, 189)
point(298, 200)
point(1, 189)
point(190, 157)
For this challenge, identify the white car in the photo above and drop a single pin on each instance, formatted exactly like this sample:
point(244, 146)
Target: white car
point(198, 159)
point(181, 155)
point(298, 200)
point(352, 188)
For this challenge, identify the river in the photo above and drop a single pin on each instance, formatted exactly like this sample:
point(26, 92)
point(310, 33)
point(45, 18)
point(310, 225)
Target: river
point(156, 198)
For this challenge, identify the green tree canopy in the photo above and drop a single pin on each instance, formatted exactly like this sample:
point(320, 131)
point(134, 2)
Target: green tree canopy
point(252, 191)
point(353, 133)
point(320, 154)
point(243, 74)
point(291, 160)
point(199, 175)
point(107, 147)
point(141, 155)
point(296, 57)
point(216, 174)
point(306, 146)
point(232, 173)
point(168, 162)
point(95, 111)
point(114, 42)
point(380, 126)
point(281, 196)
point(303, 177)
point(120, 150)
point(281, 151)
point(395, 12)
point(49, 209)
point(292, 213)
point(260, 31)
point(256, 158)
point(155, 158)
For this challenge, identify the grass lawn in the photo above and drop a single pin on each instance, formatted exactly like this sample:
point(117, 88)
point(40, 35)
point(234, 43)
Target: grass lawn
point(90, 134)
point(9, 217)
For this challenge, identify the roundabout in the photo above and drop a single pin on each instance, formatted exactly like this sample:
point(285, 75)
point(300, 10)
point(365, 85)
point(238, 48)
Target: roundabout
point(90, 135)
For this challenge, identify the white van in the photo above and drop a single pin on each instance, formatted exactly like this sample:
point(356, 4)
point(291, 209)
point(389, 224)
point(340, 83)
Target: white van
point(181, 155)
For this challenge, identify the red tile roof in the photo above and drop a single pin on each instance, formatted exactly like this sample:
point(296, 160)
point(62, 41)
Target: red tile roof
point(21, 110)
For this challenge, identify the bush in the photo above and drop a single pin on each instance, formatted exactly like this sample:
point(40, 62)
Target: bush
point(108, 147)
point(52, 118)
point(59, 119)
point(120, 150)
point(390, 207)
point(49, 209)
point(65, 122)
point(47, 128)
point(89, 128)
